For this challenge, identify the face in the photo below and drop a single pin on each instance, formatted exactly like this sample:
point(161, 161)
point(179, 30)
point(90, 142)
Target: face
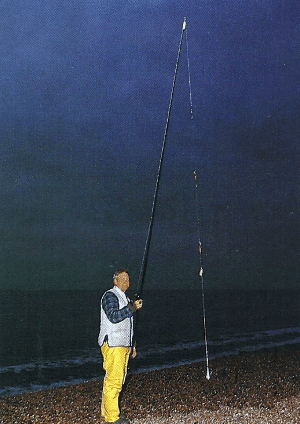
point(123, 281)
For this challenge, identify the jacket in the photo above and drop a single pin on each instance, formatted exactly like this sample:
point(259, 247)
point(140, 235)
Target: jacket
point(116, 319)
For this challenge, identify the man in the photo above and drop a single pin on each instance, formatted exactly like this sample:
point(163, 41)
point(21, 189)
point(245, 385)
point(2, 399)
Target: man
point(115, 340)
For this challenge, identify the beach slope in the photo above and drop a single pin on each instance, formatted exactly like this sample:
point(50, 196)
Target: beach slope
point(257, 387)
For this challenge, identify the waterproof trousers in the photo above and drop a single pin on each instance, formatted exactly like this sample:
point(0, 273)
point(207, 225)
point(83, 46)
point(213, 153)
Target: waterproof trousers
point(115, 362)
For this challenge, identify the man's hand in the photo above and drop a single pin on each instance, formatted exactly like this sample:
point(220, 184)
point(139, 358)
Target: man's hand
point(138, 304)
point(135, 305)
point(133, 352)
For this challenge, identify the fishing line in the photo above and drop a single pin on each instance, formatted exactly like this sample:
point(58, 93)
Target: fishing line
point(149, 233)
point(201, 276)
point(198, 220)
point(189, 73)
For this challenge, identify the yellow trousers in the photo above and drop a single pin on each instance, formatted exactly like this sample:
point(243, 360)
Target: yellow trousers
point(115, 361)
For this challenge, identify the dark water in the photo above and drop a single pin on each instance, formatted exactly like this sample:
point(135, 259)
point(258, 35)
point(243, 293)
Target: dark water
point(49, 338)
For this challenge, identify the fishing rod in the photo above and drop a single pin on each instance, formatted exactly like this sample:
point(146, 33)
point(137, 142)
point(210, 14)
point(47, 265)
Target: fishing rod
point(201, 277)
point(149, 233)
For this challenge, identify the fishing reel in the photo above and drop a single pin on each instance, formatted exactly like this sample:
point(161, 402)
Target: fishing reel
point(136, 297)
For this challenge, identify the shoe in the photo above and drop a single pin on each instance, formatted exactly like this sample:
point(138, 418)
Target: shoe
point(121, 420)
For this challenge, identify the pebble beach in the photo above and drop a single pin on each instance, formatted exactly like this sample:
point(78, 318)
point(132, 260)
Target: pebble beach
point(255, 387)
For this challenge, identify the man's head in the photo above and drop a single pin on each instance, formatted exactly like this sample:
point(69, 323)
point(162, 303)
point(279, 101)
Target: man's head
point(121, 279)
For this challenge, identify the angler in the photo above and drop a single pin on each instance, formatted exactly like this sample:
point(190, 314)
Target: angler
point(115, 340)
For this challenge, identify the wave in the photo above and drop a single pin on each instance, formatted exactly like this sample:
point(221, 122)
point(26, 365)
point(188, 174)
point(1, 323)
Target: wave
point(51, 364)
point(225, 340)
point(87, 366)
point(144, 351)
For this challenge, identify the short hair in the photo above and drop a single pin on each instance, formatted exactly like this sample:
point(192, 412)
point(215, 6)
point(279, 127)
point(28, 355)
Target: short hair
point(118, 272)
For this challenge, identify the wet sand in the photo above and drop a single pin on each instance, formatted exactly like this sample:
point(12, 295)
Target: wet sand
point(259, 387)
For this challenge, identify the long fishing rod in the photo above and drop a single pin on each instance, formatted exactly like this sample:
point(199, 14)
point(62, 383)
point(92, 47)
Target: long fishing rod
point(201, 277)
point(148, 239)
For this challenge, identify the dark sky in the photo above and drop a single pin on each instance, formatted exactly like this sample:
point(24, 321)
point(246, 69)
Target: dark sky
point(85, 88)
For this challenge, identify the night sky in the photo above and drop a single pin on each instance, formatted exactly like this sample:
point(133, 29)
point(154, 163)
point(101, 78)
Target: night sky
point(85, 88)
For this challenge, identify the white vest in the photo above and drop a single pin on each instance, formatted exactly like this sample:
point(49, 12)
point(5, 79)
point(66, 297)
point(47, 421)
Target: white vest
point(119, 334)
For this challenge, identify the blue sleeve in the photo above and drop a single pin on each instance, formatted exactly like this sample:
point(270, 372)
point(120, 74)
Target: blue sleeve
point(110, 305)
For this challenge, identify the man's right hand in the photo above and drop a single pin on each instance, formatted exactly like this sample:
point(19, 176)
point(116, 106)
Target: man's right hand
point(138, 304)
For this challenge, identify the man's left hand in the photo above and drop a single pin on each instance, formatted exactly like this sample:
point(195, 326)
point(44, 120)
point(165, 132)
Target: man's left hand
point(133, 352)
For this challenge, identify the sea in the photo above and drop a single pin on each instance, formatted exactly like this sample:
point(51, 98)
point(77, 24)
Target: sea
point(49, 338)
